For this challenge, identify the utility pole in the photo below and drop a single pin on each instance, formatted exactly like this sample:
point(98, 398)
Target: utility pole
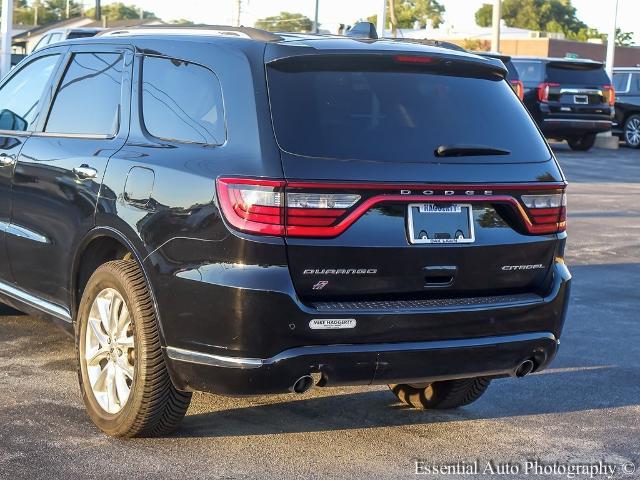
point(68, 10)
point(611, 41)
point(6, 30)
point(98, 10)
point(239, 12)
point(382, 18)
point(316, 24)
point(393, 19)
point(495, 24)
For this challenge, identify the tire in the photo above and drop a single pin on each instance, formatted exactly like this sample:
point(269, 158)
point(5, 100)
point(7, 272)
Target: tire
point(442, 395)
point(583, 143)
point(632, 131)
point(130, 357)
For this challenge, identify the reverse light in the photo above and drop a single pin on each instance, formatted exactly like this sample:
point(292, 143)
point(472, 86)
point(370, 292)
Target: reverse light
point(543, 91)
point(547, 213)
point(518, 87)
point(609, 94)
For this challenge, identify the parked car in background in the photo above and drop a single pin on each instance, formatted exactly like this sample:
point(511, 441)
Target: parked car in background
point(570, 99)
point(60, 34)
point(512, 73)
point(626, 123)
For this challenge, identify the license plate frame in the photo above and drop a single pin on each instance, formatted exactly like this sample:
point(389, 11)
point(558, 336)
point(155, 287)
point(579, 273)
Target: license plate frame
point(439, 209)
point(581, 99)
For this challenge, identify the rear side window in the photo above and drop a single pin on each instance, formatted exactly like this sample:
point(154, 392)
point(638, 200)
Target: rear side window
point(621, 82)
point(529, 72)
point(20, 96)
point(88, 99)
point(182, 101)
point(635, 82)
point(398, 116)
point(580, 74)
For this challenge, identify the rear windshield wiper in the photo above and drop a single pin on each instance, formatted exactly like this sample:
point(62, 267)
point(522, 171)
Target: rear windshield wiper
point(468, 150)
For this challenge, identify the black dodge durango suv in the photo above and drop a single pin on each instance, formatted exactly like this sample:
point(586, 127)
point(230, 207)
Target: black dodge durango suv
point(570, 99)
point(240, 212)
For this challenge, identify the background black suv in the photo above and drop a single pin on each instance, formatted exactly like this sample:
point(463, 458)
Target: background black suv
point(569, 99)
point(627, 120)
point(240, 212)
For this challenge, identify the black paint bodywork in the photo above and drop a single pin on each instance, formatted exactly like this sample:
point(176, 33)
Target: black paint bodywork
point(220, 292)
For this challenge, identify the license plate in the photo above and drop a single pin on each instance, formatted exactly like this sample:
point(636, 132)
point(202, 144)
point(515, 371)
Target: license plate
point(440, 223)
point(581, 99)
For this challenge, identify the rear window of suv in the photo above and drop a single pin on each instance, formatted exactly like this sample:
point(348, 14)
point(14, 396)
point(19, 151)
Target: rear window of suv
point(343, 112)
point(577, 73)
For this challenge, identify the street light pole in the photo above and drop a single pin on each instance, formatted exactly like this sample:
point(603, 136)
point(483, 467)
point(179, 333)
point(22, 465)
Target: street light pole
point(382, 18)
point(611, 41)
point(6, 26)
point(495, 24)
point(316, 25)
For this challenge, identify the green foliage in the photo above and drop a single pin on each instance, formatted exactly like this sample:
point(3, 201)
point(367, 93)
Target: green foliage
point(540, 15)
point(624, 39)
point(286, 22)
point(120, 11)
point(181, 21)
point(410, 11)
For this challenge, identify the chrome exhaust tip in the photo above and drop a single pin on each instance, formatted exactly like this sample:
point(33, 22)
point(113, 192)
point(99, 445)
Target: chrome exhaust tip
point(525, 368)
point(301, 385)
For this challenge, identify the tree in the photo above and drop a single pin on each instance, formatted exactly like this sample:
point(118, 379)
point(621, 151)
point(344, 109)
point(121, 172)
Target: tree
point(624, 39)
point(286, 22)
point(407, 12)
point(181, 21)
point(540, 15)
point(120, 11)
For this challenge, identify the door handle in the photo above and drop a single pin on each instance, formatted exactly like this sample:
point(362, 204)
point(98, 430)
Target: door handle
point(7, 160)
point(85, 172)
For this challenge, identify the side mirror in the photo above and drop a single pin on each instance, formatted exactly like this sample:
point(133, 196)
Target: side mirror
point(12, 121)
point(363, 30)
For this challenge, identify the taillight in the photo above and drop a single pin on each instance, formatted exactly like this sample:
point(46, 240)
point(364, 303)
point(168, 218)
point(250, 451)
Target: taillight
point(420, 59)
point(518, 87)
point(543, 91)
point(265, 207)
point(609, 94)
point(326, 210)
point(547, 212)
point(255, 206)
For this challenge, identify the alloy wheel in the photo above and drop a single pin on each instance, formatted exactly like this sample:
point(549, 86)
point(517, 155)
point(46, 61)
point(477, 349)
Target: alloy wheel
point(632, 132)
point(109, 354)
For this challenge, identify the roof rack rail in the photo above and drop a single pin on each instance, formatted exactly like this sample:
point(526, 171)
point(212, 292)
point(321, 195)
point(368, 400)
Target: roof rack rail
point(218, 30)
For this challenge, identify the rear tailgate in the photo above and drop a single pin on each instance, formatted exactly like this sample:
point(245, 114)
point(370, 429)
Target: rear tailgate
point(359, 141)
point(578, 87)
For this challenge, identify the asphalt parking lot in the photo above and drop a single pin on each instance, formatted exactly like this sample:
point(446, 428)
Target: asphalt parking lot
point(584, 409)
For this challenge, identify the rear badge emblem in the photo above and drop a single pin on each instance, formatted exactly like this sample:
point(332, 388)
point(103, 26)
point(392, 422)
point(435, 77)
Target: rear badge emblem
point(320, 285)
point(331, 323)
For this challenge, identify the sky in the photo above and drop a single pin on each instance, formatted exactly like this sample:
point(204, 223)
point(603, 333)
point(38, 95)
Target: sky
point(460, 13)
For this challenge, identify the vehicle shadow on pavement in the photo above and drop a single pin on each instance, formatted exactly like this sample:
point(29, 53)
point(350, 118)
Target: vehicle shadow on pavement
point(554, 391)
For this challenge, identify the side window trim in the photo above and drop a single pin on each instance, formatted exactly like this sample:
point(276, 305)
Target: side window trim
point(141, 57)
point(126, 51)
point(42, 102)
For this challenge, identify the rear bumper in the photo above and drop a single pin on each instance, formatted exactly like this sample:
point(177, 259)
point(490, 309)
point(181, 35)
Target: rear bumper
point(365, 364)
point(447, 342)
point(573, 126)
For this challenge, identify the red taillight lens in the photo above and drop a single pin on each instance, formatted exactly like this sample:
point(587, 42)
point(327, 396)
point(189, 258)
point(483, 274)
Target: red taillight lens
point(326, 210)
point(518, 87)
point(609, 94)
point(414, 59)
point(547, 212)
point(543, 91)
point(255, 206)
point(265, 207)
